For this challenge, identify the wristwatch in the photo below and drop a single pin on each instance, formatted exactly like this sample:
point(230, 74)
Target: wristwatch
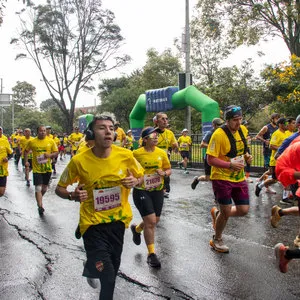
point(70, 196)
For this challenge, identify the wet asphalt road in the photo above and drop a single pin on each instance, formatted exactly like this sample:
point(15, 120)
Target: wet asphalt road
point(42, 259)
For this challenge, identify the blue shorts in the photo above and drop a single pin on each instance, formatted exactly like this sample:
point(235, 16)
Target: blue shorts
point(226, 191)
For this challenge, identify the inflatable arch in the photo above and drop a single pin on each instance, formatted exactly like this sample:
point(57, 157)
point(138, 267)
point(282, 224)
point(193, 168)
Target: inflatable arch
point(171, 98)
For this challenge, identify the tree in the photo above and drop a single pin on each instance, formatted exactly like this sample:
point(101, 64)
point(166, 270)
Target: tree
point(239, 86)
point(283, 81)
point(70, 42)
point(247, 21)
point(119, 95)
point(208, 49)
point(54, 115)
point(23, 94)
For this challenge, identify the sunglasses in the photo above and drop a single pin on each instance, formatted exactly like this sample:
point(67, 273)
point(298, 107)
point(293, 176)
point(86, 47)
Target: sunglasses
point(236, 109)
point(153, 135)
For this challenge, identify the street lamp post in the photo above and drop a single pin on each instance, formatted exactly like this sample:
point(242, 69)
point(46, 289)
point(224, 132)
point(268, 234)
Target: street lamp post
point(187, 62)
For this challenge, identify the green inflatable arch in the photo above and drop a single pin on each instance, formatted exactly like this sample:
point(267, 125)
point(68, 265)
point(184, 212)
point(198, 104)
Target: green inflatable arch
point(189, 96)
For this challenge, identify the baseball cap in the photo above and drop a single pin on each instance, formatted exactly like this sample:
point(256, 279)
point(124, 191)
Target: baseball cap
point(217, 121)
point(298, 120)
point(184, 130)
point(232, 111)
point(129, 130)
point(281, 121)
point(148, 131)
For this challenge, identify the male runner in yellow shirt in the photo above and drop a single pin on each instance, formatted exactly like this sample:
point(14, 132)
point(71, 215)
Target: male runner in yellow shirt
point(5, 155)
point(227, 153)
point(105, 174)
point(43, 150)
point(24, 140)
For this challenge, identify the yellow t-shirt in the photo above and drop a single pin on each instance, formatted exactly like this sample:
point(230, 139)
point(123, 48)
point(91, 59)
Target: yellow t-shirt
point(65, 141)
point(83, 147)
point(219, 146)
point(129, 142)
point(4, 137)
point(5, 150)
point(74, 139)
point(120, 136)
point(276, 140)
point(184, 143)
point(23, 143)
point(14, 140)
point(166, 139)
point(39, 147)
point(151, 161)
point(102, 175)
point(56, 141)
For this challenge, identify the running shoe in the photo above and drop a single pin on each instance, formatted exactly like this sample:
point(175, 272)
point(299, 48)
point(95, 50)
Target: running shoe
point(93, 282)
point(195, 182)
point(281, 261)
point(257, 190)
point(186, 172)
point(77, 233)
point(218, 245)
point(270, 190)
point(27, 183)
point(286, 201)
point(297, 241)
point(166, 195)
point(214, 212)
point(179, 164)
point(136, 236)
point(41, 210)
point(153, 261)
point(275, 216)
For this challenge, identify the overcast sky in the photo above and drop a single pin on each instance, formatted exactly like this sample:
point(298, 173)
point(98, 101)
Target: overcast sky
point(144, 24)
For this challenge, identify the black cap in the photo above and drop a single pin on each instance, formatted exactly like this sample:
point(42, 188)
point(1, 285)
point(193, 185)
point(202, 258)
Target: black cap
point(232, 111)
point(281, 121)
point(148, 131)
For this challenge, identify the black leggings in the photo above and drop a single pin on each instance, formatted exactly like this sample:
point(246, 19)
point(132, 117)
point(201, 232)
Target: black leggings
point(295, 253)
point(103, 244)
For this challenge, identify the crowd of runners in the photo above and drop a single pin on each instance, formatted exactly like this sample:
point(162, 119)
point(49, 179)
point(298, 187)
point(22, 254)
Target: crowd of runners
point(104, 167)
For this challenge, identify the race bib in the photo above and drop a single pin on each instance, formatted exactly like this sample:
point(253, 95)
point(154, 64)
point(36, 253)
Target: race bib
point(77, 144)
point(152, 181)
point(184, 145)
point(105, 199)
point(239, 159)
point(41, 159)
